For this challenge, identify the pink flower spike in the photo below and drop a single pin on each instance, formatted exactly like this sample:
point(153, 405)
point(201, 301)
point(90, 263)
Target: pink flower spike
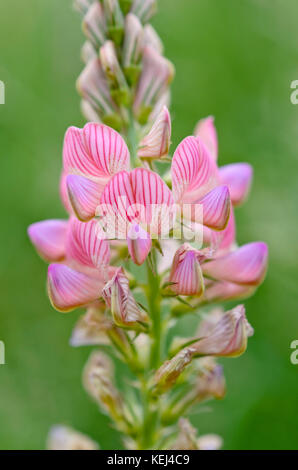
point(206, 131)
point(69, 289)
point(186, 274)
point(194, 173)
point(246, 265)
point(238, 178)
point(216, 208)
point(49, 238)
point(86, 244)
point(157, 143)
point(229, 336)
point(139, 244)
point(84, 195)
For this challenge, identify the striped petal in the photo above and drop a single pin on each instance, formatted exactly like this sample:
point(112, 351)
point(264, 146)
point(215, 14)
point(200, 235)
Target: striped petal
point(157, 143)
point(238, 178)
point(194, 173)
point(86, 244)
point(229, 336)
point(139, 244)
point(246, 265)
point(69, 289)
point(224, 240)
point(186, 274)
point(84, 195)
point(49, 238)
point(206, 131)
point(216, 208)
point(118, 297)
point(96, 150)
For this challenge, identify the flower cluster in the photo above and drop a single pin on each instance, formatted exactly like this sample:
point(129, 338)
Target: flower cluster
point(122, 215)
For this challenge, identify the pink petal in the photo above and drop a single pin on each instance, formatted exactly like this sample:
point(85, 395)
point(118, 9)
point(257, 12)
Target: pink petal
point(246, 265)
point(216, 208)
point(206, 131)
point(84, 195)
point(64, 193)
point(87, 245)
point(156, 144)
point(238, 178)
point(139, 244)
point(186, 272)
point(194, 173)
point(69, 289)
point(220, 291)
point(223, 240)
point(49, 238)
point(96, 150)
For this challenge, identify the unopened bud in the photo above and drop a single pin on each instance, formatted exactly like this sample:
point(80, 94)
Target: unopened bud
point(144, 9)
point(94, 24)
point(187, 438)
point(157, 142)
point(186, 276)
point(119, 89)
point(82, 5)
point(132, 48)
point(168, 374)
point(152, 39)
point(92, 328)
point(115, 20)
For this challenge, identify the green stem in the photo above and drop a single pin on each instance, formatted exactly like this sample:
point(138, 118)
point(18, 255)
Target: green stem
point(132, 139)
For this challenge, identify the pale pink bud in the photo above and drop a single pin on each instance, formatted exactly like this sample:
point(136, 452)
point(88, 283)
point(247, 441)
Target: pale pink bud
point(64, 438)
point(98, 381)
point(92, 327)
point(157, 142)
point(156, 76)
point(89, 112)
point(144, 9)
point(88, 52)
point(228, 338)
point(124, 308)
point(133, 41)
point(82, 5)
point(93, 86)
point(211, 381)
point(111, 66)
point(94, 24)
point(151, 38)
point(168, 374)
point(139, 244)
point(186, 276)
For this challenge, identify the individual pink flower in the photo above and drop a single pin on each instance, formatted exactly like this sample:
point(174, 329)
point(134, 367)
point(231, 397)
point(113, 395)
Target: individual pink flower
point(137, 206)
point(237, 176)
point(86, 255)
point(91, 156)
point(195, 183)
point(186, 276)
point(157, 142)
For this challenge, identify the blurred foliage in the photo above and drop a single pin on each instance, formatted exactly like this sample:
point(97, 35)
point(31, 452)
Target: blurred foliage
point(235, 60)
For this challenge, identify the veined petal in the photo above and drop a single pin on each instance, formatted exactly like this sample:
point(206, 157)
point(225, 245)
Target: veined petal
point(69, 289)
point(139, 244)
point(229, 336)
point(186, 274)
point(216, 208)
point(224, 240)
point(49, 238)
point(246, 265)
point(238, 178)
point(194, 173)
point(87, 244)
point(96, 150)
point(84, 195)
point(206, 131)
point(157, 143)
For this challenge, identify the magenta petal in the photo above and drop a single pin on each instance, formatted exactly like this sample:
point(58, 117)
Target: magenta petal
point(139, 244)
point(69, 289)
point(84, 195)
point(49, 238)
point(246, 265)
point(186, 275)
point(216, 208)
point(207, 132)
point(238, 178)
point(87, 245)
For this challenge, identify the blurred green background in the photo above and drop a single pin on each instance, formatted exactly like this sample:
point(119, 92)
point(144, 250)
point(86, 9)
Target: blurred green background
point(235, 59)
